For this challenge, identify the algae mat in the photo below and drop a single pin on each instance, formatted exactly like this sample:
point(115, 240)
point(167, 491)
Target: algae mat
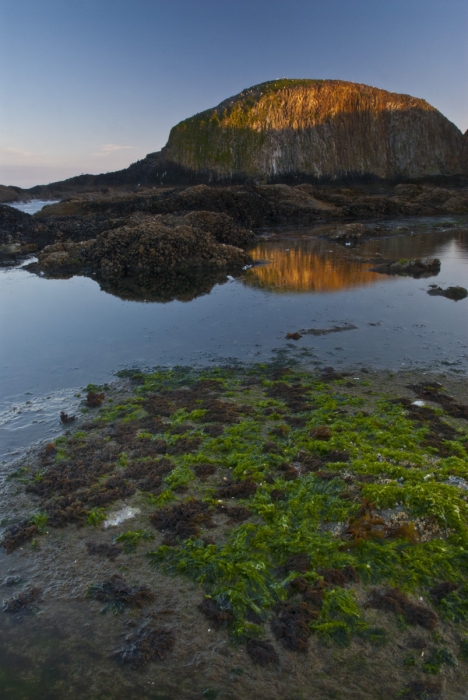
point(260, 531)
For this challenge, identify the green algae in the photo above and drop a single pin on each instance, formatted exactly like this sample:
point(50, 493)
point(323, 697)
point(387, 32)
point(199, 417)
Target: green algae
point(386, 444)
point(132, 538)
point(387, 471)
point(96, 516)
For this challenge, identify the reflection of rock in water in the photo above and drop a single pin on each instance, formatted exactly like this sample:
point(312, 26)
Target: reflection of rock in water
point(183, 286)
point(163, 287)
point(309, 265)
point(304, 268)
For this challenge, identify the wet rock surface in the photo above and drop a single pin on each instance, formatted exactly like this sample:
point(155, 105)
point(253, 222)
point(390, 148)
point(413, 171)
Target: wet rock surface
point(161, 229)
point(410, 268)
point(254, 206)
point(454, 293)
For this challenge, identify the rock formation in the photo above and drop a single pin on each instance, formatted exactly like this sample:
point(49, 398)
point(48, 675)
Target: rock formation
point(288, 131)
point(149, 245)
point(311, 129)
point(13, 194)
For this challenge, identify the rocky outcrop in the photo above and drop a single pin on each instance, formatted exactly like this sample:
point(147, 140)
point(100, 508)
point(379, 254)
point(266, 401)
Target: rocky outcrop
point(148, 245)
point(21, 234)
point(312, 129)
point(13, 194)
point(264, 205)
point(410, 268)
point(296, 131)
point(454, 293)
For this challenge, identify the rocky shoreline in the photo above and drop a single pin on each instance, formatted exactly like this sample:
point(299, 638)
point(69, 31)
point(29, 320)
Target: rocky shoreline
point(154, 231)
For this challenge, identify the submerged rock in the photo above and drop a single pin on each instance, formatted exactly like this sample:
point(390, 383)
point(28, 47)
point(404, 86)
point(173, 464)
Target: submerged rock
point(455, 293)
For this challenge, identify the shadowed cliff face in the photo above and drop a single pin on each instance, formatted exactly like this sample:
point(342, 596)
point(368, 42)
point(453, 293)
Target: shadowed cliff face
point(324, 129)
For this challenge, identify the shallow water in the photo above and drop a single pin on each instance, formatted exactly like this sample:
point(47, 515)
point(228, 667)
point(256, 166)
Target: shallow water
point(34, 205)
point(59, 334)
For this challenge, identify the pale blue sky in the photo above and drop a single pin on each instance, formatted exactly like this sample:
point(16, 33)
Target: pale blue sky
point(93, 85)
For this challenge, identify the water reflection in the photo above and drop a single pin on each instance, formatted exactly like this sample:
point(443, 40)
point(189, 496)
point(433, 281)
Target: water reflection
point(306, 266)
point(312, 264)
point(162, 288)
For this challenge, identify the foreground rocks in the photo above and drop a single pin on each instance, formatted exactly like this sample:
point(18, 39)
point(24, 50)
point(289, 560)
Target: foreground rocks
point(219, 218)
point(151, 244)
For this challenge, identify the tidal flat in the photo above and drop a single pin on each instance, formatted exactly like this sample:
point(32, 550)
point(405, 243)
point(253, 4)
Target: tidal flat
point(289, 530)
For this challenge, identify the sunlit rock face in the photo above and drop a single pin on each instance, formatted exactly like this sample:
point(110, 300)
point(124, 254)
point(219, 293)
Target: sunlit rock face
point(312, 129)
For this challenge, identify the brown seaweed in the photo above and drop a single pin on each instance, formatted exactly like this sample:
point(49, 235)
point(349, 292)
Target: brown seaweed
point(218, 616)
point(397, 602)
point(183, 520)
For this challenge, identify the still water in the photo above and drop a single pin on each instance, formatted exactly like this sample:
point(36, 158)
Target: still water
point(57, 335)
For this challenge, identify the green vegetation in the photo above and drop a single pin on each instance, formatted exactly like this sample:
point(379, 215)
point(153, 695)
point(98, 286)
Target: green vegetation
point(40, 520)
point(281, 492)
point(438, 658)
point(96, 516)
point(131, 539)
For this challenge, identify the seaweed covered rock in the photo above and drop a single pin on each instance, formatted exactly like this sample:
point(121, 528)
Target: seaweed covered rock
point(410, 268)
point(64, 256)
point(222, 227)
point(146, 244)
point(85, 215)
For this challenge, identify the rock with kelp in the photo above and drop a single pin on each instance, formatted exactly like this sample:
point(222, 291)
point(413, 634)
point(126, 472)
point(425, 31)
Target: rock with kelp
point(144, 244)
point(410, 268)
point(348, 232)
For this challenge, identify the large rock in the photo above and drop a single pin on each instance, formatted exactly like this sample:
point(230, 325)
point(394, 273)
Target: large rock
point(296, 130)
point(313, 129)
